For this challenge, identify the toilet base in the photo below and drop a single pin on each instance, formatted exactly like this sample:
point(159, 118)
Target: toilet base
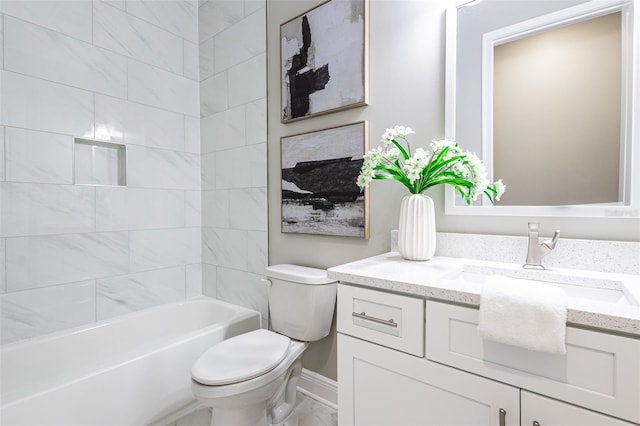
point(275, 411)
point(267, 400)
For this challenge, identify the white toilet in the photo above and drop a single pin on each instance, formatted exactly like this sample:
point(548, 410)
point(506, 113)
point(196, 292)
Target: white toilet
point(251, 379)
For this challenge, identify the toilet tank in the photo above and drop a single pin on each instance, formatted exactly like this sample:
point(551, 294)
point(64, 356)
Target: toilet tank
point(301, 301)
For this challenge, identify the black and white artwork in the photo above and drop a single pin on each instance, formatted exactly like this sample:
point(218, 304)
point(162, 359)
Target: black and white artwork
point(323, 57)
point(319, 191)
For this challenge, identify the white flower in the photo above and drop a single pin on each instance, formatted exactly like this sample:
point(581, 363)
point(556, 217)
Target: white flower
point(500, 188)
point(365, 177)
point(392, 133)
point(372, 158)
point(391, 154)
point(423, 169)
point(416, 164)
point(445, 143)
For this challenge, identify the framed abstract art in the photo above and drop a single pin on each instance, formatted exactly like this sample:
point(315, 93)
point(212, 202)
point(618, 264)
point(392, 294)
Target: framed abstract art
point(319, 191)
point(324, 57)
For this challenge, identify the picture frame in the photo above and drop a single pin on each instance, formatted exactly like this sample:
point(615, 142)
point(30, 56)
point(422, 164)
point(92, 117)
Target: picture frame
point(324, 60)
point(319, 171)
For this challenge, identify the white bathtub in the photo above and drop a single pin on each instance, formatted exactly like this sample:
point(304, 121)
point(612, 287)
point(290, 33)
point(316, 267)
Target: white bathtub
point(131, 370)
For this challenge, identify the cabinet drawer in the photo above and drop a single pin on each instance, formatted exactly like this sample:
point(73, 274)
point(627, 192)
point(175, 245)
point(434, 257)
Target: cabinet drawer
point(600, 371)
point(389, 319)
point(549, 412)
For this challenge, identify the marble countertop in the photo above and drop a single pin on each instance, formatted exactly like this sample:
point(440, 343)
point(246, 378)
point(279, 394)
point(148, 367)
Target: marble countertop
point(431, 279)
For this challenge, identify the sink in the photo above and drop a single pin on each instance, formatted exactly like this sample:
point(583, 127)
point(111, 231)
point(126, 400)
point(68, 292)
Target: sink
point(577, 285)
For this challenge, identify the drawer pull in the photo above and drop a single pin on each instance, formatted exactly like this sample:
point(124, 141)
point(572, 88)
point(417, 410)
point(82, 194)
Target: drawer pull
point(364, 316)
point(503, 415)
point(536, 423)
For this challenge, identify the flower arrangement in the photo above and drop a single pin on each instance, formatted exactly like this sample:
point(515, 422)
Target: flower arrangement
point(446, 163)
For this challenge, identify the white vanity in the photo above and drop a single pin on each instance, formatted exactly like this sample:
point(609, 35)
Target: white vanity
point(409, 352)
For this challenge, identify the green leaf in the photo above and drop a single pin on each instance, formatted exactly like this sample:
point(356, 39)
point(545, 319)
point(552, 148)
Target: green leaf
point(404, 153)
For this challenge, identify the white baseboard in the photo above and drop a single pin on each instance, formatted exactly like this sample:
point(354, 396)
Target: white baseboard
point(319, 388)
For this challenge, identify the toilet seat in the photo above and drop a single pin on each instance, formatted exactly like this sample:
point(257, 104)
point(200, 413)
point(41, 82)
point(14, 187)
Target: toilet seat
point(241, 358)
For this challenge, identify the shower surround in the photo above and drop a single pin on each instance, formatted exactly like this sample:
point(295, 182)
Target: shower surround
point(148, 75)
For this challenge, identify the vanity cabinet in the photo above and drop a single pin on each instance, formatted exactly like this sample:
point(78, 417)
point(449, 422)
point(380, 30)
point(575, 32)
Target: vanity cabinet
point(405, 360)
point(382, 386)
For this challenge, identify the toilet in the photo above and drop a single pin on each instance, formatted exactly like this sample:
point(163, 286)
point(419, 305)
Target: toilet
point(251, 379)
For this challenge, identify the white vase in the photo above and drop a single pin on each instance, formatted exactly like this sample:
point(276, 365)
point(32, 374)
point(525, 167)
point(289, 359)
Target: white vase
point(417, 228)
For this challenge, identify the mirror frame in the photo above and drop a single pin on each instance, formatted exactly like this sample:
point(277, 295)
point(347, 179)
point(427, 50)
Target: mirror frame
point(630, 122)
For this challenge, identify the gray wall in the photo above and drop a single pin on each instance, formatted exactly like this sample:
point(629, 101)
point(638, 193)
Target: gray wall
point(406, 87)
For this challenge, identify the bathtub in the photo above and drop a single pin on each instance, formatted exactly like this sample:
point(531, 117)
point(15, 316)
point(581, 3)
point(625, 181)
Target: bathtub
point(130, 370)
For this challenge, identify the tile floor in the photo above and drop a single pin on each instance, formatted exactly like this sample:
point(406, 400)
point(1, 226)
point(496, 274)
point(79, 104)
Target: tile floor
point(309, 411)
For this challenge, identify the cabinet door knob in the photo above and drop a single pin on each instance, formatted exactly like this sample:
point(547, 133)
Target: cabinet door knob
point(536, 423)
point(503, 416)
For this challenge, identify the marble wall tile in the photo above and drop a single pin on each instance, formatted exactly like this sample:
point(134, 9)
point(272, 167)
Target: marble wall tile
point(127, 122)
point(243, 288)
point(251, 6)
point(240, 42)
point(223, 130)
point(215, 209)
point(208, 172)
point(242, 167)
point(48, 260)
point(2, 147)
point(248, 81)
point(36, 209)
point(156, 87)
point(194, 280)
point(39, 52)
point(206, 59)
point(70, 17)
point(133, 292)
point(1, 40)
point(176, 16)
point(217, 15)
point(209, 287)
point(32, 103)
point(120, 4)
point(31, 313)
point(193, 208)
point(160, 168)
point(249, 207)
point(256, 113)
point(119, 209)
point(39, 157)
point(224, 247)
point(3, 281)
point(257, 251)
point(192, 134)
point(190, 68)
point(123, 33)
point(164, 248)
point(213, 94)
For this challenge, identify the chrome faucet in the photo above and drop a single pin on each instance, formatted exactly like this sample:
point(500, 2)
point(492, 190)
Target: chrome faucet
point(538, 249)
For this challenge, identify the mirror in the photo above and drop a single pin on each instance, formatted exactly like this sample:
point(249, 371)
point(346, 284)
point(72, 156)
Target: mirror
point(528, 89)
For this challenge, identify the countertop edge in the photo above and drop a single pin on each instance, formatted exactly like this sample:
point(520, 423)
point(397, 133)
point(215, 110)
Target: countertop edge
point(588, 316)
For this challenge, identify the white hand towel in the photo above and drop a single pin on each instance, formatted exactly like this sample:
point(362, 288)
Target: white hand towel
point(522, 313)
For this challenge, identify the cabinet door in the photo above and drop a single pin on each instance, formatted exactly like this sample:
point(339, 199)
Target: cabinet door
point(381, 386)
point(550, 412)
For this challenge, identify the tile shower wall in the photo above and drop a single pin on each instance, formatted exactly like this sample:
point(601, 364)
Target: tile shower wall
point(120, 71)
point(234, 150)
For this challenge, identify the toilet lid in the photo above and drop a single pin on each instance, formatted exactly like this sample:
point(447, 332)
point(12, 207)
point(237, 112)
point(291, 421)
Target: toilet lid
point(240, 358)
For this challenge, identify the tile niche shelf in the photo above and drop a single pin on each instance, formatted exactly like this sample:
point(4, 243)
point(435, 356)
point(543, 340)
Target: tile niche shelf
point(99, 163)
